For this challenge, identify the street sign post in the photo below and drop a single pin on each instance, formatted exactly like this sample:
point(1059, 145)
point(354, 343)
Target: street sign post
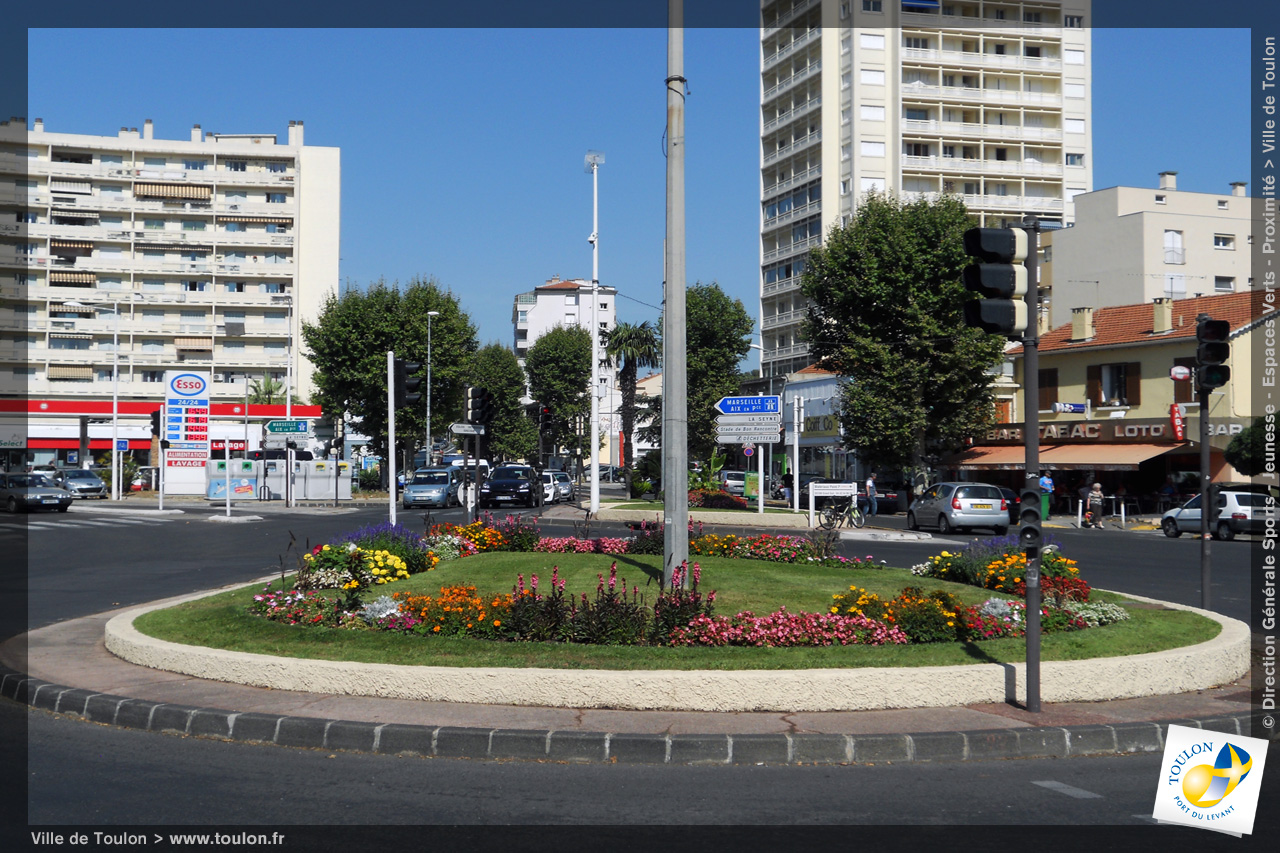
point(749, 420)
point(749, 438)
point(467, 429)
point(290, 427)
point(743, 405)
point(737, 429)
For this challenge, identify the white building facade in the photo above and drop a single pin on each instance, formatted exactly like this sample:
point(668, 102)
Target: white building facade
point(204, 254)
point(988, 101)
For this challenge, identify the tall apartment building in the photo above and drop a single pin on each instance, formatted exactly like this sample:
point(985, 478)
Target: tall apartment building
point(1137, 244)
point(988, 100)
point(212, 249)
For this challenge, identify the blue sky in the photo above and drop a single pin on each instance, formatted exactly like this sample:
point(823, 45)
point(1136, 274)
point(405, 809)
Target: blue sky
point(462, 149)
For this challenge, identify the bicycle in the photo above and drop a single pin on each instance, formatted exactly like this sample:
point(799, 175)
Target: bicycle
point(835, 515)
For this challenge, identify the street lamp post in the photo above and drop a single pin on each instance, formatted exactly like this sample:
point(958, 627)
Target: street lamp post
point(288, 395)
point(430, 314)
point(593, 161)
point(116, 467)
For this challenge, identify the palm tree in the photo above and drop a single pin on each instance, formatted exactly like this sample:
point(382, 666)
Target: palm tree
point(266, 391)
point(632, 347)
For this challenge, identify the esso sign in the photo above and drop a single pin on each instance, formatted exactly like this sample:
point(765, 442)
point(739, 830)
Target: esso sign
point(1179, 373)
point(187, 385)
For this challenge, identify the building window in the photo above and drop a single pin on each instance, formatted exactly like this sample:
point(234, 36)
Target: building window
point(1224, 283)
point(234, 226)
point(1222, 204)
point(193, 286)
point(1114, 384)
point(277, 168)
point(1075, 159)
point(1160, 198)
point(273, 287)
point(194, 165)
point(153, 224)
point(916, 149)
point(276, 198)
point(151, 376)
point(867, 41)
point(235, 287)
point(872, 5)
point(192, 225)
point(916, 43)
point(237, 166)
point(1048, 388)
point(1224, 241)
point(1074, 22)
point(917, 114)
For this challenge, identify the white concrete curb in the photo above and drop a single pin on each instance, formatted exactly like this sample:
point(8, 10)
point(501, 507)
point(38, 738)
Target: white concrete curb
point(1218, 661)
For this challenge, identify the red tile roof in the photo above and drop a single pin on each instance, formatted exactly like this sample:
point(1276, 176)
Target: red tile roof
point(814, 369)
point(570, 284)
point(1132, 324)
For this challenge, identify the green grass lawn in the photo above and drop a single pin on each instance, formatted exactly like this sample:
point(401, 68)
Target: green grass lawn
point(222, 621)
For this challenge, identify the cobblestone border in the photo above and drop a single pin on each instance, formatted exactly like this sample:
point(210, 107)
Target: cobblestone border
point(603, 747)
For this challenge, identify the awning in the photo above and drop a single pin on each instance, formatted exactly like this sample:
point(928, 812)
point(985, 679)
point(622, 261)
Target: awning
point(193, 343)
point(70, 336)
point(1103, 457)
point(60, 186)
point(175, 247)
point(278, 220)
point(56, 277)
point(193, 191)
point(76, 214)
point(1003, 458)
point(68, 372)
point(71, 244)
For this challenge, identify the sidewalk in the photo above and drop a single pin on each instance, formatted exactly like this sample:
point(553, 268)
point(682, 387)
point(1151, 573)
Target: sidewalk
point(66, 669)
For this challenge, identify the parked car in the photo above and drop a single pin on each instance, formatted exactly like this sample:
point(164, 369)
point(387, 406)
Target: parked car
point(805, 481)
point(610, 473)
point(955, 506)
point(26, 492)
point(433, 487)
point(511, 484)
point(1011, 497)
point(550, 488)
point(1238, 512)
point(81, 483)
point(568, 491)
point(734, 482)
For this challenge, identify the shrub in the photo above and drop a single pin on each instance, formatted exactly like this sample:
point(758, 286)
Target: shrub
point(858, 602)
point(298, 607)
point(565, 545)
point(396, 539)
point(678, 606)
point(714, 499)
point(1098, 613)
point(444, 546)
point(614, 618)
point(927, 617)
point(537, 617)
point(517, 533)
point(459, 611)
point(782, 629)
point(649, 540)
point(482, 536)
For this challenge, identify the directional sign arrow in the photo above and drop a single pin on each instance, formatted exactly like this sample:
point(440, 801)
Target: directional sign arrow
point(748, 405)
point(731, 429)
point(765, 420)
point(752, 438)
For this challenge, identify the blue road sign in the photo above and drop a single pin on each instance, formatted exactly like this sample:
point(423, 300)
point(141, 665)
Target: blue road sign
point(749, 405)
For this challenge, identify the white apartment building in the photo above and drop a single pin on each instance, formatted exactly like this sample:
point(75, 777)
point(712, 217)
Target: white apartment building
point(989, 100)
point(212, 249)
point(1132, 245)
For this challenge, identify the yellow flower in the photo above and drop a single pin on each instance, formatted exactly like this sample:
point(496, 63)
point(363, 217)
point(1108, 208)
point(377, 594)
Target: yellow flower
point(325, 548)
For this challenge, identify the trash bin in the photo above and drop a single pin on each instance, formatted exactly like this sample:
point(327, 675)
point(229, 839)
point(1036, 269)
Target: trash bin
point(1045, 497)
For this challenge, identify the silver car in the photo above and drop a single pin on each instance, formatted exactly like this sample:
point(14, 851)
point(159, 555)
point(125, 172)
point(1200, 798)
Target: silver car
point(81, 483)
point(1238, 512)
point(567, 490)
point(433, 487)
point(734, 482)
point(954, 506)
point(26, 492)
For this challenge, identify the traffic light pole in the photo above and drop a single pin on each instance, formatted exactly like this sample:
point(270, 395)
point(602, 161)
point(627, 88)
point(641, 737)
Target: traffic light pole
point(1206, 492)
point(391, 435)
point(1031, 425)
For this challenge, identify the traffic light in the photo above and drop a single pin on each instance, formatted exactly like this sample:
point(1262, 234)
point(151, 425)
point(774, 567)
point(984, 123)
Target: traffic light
point(406, 381)
point(1029, 533)
point(471, 404)
point(544, 417)
point(1212, 349)
point(1001, 277)
point(155, 422)
point(484, 407)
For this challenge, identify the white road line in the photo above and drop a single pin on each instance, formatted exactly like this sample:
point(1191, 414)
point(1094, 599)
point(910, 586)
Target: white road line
point(1070, 791)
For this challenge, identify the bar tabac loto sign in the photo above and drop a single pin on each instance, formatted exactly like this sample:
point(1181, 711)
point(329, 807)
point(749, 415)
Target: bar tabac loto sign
point(1107, 432)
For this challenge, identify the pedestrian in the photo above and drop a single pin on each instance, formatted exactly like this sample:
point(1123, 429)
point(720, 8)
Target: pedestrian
point(787, 480)
point(1095, 505)
point(1046, 488)
point(872, 508)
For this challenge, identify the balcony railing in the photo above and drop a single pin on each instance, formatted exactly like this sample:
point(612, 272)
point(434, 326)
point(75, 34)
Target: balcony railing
point(965, 58)
point(795, 79)
point(791, 215)
point(782, 285)
point(1175, 256)
point(789, 318)
point(793, 114)
point(987, 167)
point(1001, 97)
point(992, 26)
point(799, 145)
point(796, 248)
point(799, 42)
point(789, 16)
point(795, 180)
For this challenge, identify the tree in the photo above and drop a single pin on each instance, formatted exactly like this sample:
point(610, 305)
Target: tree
point(348, 345)
point(1247, 450)
point(511, 435)
point(559, 368)
point(886, 313)
point(266, 390)
point(717, 329)
point(633, 347)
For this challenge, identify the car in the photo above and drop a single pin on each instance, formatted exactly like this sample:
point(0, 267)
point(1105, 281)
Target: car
point(610, 473)
point(1011, 497)
point(433, 487)
point(568, 491)
point(733, 482)
point(512, 484)
point(81, 483)
point(550, 488)
point(146, 479)
point(956, 506)
point(26, 492)
point(1238, 512)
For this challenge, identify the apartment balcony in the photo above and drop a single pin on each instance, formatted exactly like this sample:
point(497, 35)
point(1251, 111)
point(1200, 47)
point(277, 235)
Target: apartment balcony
point(784, 219)
point(795, 180)
point(800, 247)
point(790, 16)
point(990, 26)
point(793, 114)
point(971, 130)
point(1014, 202)
point(1175, 256)
point(781, 286)
point(957, 165)
point(809, 141)
point(972, 59)
point(794, 80)
point(785, 352)
point(127, 297)
point(999, 97)
point(799, 43)
point(778, 321)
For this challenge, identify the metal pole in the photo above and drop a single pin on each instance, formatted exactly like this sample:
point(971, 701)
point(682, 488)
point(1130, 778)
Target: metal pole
point(226, 460)
point(164, 422)
point(391, 435)
point(117, 466)
point(797, 417)
point(288, 411)
point(1206, 492)
point(1031, 403)
point(430, 315)
point(595, 339)
point(675, 403)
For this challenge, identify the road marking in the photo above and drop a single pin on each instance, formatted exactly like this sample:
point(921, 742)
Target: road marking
point(1070, 791)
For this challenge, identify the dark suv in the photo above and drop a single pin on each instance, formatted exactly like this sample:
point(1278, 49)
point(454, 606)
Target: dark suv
point(512, 484)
